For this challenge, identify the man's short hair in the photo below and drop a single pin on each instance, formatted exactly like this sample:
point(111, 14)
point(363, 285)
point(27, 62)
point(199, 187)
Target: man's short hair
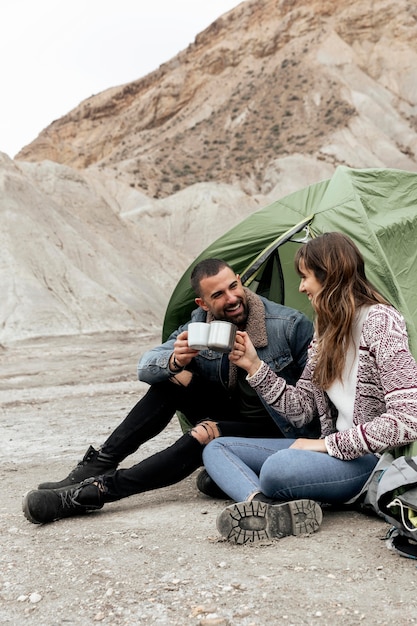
point(206, 267)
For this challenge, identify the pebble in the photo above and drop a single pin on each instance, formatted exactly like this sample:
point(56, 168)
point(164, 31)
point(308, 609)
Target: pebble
point(35, 597)
point(214, 621)
point(201, 609)
point(99, 617)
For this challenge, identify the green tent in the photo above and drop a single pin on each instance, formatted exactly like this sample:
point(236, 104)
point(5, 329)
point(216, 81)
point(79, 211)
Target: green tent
point(377, 208)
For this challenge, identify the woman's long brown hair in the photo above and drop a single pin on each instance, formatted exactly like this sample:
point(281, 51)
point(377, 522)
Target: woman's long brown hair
point(339, 268)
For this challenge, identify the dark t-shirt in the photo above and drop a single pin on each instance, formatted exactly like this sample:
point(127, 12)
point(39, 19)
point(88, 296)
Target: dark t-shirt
point(250, 405)
point(252, 410)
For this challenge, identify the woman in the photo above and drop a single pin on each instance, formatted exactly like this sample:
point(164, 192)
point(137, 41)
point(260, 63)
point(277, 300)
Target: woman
point(360, 381)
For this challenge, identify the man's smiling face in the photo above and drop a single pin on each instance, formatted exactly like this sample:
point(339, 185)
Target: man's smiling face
point(224, 296)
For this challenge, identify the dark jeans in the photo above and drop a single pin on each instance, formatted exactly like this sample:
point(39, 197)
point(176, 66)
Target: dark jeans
point(198, 401)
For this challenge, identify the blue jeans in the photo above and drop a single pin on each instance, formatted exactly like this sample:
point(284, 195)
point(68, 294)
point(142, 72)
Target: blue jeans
point(242, 466)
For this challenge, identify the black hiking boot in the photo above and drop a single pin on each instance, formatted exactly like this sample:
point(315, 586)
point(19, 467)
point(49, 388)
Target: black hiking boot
point(46, 505)
point(248, 522)
point(94, 463)
point(206, 485)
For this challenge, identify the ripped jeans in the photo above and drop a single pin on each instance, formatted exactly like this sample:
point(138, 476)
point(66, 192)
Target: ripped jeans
point(198, 401)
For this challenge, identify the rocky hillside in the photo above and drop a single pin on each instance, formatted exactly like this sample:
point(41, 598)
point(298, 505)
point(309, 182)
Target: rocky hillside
point(103, 211)
point(271, 78)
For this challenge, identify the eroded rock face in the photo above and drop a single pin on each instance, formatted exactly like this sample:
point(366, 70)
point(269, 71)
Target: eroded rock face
point(266, 80)
point(82, 253)
point(103, 212)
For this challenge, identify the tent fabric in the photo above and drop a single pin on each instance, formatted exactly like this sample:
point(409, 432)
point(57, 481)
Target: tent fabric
point(376, 207)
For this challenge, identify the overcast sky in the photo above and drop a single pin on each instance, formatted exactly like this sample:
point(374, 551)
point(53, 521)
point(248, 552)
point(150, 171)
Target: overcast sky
point(56, 53)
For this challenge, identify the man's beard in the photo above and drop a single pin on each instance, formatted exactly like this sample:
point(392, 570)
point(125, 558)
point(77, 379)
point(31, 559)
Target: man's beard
point(240, 320)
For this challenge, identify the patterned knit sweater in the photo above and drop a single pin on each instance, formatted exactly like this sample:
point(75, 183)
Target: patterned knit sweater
point(385, 409)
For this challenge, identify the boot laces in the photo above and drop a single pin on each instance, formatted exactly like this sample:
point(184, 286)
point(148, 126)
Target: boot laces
point(91, 454)
point(69, 497)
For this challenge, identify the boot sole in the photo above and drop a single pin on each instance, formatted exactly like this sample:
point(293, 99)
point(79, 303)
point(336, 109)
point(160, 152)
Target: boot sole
point(249, 522)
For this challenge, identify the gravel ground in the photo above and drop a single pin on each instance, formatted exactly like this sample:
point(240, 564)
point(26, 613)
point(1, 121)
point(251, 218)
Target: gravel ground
point(156, 558)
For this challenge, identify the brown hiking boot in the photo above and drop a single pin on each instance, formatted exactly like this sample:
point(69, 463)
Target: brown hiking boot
point(248, 522)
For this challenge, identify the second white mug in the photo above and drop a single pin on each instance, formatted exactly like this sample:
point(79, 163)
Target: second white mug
point(222, 336)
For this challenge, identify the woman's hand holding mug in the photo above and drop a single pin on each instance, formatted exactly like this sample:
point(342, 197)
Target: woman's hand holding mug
point(244, 354)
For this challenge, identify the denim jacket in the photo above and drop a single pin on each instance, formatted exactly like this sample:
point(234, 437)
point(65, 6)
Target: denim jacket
point(281, 336)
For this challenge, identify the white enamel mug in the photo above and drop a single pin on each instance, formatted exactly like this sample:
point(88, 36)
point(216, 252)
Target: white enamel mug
point(222, 336)
point(198, 335)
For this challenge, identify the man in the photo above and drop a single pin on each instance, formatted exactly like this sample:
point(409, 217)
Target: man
point(211, 392)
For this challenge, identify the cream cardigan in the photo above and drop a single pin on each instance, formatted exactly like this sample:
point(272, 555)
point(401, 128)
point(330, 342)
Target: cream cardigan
point(385, 407)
